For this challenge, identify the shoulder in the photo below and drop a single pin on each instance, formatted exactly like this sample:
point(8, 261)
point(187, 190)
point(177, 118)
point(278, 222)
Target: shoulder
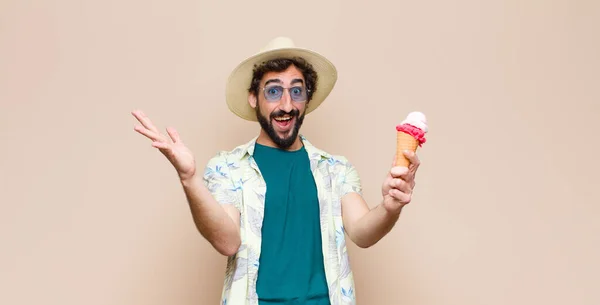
point(231, 156)
point(223, 161)
point(336, 161)
point(340, 161)
point(341, 164)
point(345, 173)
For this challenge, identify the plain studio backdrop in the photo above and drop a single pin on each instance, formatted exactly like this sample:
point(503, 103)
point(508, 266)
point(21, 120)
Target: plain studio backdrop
point(506, 204)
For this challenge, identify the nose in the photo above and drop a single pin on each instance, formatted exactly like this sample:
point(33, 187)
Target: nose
point(285, 103)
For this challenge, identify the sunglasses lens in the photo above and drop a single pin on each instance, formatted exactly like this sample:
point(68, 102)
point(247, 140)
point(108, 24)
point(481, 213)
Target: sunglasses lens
point(298, 94)
point(273, 93)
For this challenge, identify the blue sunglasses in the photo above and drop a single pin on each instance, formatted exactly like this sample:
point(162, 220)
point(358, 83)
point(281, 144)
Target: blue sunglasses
point(274, 93)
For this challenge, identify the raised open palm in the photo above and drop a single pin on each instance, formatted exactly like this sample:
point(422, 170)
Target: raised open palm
point(171, 146)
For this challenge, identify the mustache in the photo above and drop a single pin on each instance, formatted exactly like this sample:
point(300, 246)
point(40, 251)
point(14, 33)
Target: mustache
point(292, 113)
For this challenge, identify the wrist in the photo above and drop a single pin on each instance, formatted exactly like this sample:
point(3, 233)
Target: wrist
point(394, 212)
point(392, 208)
point(188, 179)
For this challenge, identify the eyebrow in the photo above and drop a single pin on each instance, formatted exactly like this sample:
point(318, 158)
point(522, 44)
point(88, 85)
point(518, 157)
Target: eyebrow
point(275, 80)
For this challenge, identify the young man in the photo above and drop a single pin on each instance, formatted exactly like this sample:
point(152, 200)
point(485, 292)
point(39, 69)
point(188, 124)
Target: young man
point(278, 207)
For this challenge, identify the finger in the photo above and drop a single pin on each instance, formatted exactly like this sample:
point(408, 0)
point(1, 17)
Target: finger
point(399, 171)
point(400, 196)
point(161, 145)
point(146, 122)
point(148, 133)
point(173, 134)
point(413, 158)
point(401, 185)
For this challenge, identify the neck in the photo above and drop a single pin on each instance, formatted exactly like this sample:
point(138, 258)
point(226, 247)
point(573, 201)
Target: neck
point(264, 139)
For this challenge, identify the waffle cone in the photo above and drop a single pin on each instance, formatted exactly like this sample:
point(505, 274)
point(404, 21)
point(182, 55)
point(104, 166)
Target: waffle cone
point(404, 142)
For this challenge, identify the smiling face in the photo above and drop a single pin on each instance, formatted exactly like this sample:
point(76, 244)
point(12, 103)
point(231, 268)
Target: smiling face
point(280, 105)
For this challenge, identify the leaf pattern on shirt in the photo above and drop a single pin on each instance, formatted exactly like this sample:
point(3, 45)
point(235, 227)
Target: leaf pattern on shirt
point(213, 187)
point(232, 165)
point(323, 207)
point(345, 265)
point(333, 259)
point(327, 177)
point(253, 261)
point(348, 294)
point(339, 237)
point(242, 222)
point(219, 171)
point(254, 220)
point(333, 291)
point(261, 197)
point(336, 205)
point(314, 162)
point(229, 272)
point(253, 257)
point(241, 268)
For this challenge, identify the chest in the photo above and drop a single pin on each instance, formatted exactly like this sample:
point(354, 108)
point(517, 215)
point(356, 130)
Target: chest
point(320, 178)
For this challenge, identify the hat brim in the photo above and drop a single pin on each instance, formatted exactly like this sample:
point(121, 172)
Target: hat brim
point(239, 81)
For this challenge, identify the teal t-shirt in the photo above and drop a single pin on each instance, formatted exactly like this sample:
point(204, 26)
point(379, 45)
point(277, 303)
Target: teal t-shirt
point(291, 268)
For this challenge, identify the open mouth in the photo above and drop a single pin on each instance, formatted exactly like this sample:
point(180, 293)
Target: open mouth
point(284, 122)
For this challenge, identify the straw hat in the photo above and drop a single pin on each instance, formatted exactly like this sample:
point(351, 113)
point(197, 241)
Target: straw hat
point(236, 91)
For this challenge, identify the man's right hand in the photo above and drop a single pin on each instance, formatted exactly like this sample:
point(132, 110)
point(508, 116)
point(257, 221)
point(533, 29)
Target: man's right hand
point(219, 224)
point(172, 146)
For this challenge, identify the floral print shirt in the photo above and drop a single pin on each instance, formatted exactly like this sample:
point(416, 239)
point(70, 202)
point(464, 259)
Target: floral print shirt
point(233, 178)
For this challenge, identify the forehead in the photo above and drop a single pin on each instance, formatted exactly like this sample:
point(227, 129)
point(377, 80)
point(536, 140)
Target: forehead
point(291, 74)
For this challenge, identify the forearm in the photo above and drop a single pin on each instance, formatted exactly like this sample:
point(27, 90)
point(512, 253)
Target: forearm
point(211, 219)
point(374, 225)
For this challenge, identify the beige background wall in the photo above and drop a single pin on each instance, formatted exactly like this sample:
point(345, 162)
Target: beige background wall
point(507, 200)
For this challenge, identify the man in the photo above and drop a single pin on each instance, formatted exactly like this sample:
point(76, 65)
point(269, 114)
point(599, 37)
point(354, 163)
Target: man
point(278, 207)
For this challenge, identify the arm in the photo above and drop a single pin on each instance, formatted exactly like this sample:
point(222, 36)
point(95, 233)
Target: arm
point(217, 223)
point(365, 226)
point(215, 203)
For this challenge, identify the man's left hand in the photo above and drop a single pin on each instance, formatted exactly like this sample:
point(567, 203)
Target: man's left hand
point(397, 189)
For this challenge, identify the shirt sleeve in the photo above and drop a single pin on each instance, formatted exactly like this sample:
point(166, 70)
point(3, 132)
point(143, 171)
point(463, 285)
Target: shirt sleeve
point(351, 182)
point(217, 178)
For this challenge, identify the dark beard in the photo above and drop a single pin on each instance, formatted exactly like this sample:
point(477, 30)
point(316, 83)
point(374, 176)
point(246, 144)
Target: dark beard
point(283, 143)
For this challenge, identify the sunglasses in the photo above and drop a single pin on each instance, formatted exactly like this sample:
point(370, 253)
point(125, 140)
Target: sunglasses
point(275, 92)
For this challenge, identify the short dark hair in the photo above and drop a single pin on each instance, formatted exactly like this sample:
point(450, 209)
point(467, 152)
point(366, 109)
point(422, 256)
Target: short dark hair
point(281, 64)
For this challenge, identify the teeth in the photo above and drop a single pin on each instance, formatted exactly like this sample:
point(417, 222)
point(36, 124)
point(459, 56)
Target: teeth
point(283, 119)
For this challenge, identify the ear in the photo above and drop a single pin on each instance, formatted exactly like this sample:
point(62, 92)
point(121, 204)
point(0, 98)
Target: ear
point(252, 100)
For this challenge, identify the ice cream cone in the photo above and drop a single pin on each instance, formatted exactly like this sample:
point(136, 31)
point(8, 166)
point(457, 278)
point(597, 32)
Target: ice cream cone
point(404, 142)
point(410, 135)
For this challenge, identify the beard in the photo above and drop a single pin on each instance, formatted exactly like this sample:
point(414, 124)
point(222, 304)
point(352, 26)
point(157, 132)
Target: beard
point(267, 126)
